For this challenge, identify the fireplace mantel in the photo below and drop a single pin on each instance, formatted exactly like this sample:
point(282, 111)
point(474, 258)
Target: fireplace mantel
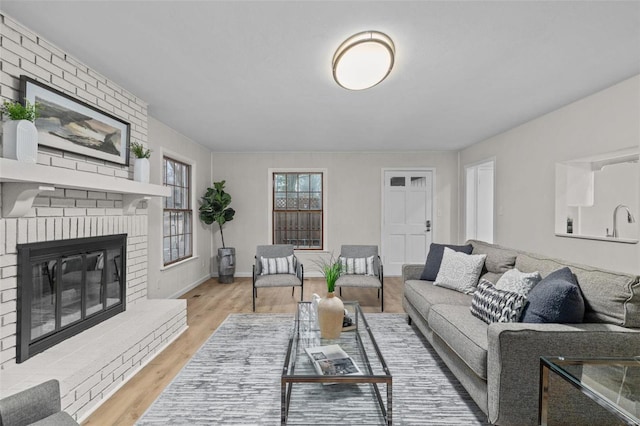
point(22, 182)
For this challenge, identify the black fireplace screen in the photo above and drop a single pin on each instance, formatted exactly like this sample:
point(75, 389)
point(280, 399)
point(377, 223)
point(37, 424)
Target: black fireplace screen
point(67, 286)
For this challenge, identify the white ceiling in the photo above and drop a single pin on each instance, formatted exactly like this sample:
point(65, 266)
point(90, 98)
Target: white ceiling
point(256, 76)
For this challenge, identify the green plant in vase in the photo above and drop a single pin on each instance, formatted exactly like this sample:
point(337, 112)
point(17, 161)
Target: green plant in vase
point(214, 207)
point(330, 308)
point(331, 270)
point(20, 135)
point(141, 166)
point(16, 111)
point(139, 150)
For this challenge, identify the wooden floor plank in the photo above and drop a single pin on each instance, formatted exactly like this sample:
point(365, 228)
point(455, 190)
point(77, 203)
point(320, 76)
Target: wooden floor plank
point(207, 307)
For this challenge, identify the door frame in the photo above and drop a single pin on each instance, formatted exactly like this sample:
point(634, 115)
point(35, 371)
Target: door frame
point(434, 198)
point(463, 196)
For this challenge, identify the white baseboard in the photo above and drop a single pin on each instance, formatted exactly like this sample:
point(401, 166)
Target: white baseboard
point(191, 286)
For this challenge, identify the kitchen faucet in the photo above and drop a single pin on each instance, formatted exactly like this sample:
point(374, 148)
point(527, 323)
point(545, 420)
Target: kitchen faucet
point(630, 219)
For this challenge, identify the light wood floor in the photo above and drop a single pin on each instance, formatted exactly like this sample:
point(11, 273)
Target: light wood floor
point(207, 306)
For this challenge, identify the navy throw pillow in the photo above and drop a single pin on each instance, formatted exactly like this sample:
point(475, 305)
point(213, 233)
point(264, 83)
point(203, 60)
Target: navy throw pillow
point(434, 259)
point(555, 299)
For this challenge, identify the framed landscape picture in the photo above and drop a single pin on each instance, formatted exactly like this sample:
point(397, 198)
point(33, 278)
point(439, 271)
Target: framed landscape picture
point(72, 125)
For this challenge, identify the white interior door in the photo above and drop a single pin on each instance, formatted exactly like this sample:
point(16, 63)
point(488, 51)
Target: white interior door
point(407, 219)
point(479, 188)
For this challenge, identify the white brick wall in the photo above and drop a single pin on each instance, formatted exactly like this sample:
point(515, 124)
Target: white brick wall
point(70, 213)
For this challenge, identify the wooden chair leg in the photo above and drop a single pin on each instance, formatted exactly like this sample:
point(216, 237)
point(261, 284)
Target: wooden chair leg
point(340, 291)
point(293, 289)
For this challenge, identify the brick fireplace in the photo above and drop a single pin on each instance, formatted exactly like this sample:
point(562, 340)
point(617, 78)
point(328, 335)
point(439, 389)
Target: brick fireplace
point(66, 196)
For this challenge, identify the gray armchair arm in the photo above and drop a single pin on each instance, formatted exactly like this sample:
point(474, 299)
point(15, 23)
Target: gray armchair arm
point(31, 405)
point(412, 271)
point(513, 361)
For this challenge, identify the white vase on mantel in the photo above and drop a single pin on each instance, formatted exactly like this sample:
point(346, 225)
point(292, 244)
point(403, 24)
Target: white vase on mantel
point(20, 141)
point(141, 170)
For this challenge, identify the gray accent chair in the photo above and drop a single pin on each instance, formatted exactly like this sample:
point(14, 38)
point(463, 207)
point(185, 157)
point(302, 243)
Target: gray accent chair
point(276, 280)
point(39, 405)
point(363, 281)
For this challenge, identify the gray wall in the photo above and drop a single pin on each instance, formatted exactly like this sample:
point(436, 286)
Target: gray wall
point(176, 279)
point(525, 173)
point(354, 197)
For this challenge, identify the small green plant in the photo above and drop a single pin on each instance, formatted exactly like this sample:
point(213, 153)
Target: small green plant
point(16, 111)
point(139, 150)
point(331, 270)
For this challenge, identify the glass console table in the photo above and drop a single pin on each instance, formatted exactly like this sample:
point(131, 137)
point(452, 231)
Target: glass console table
point(613, 383)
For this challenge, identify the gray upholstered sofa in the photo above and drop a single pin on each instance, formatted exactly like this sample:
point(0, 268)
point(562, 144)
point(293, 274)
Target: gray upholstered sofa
point(498, 364)
point(39, 405)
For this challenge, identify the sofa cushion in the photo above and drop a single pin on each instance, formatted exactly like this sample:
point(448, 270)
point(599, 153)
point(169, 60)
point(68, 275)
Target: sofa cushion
point(555, 299)
point(610, 297)
point(277, 280)
point(434, 259)
point(358, 281)
point(499, 259)
point(465, 334)
point(460, 271)
point(518, 282)
point(58, 419)
point(492, 277)
point(493, 305)
point(423, 294)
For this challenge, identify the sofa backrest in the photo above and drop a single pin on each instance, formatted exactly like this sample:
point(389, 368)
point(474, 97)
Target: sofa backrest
point(498, 261)
point(610, 297)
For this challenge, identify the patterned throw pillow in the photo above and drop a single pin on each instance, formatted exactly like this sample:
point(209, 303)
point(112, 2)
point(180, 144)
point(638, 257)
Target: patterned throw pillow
point(357, 265)
point(277, 265)
point(492, 305)
point(460, 271)
point(518, 282)
point(434, 259)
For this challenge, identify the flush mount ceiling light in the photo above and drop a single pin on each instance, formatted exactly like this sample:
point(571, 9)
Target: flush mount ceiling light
point(363, 60)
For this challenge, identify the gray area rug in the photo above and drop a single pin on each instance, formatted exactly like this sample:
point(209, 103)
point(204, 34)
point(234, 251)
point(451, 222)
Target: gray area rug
point(234, 378)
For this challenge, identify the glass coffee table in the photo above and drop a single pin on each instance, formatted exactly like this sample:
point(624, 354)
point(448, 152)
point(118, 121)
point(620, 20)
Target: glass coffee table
point(614, 383)
point(321, 399)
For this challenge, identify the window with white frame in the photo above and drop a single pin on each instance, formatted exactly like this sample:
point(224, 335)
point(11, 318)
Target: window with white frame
point(298, 209)
point(177, 215)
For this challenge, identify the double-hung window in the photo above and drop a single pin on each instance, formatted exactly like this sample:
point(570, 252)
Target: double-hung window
point(177, 214)
point(298, 209)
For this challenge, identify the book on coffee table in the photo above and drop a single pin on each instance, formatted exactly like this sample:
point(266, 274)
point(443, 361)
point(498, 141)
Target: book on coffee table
point(331, 360)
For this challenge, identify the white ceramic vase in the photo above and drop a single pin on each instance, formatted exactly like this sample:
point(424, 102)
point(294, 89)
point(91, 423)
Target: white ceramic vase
point(20, 141)
point(141, 169)
point(330, 316)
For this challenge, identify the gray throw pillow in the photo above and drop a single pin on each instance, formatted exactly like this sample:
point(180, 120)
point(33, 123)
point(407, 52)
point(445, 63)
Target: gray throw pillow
point(555, 299)
point(460, 271)
point(434, 259)
point(493, 305)
point(518, 282)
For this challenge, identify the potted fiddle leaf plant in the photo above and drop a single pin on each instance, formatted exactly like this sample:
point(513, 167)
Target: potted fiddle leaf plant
point(141, 166)
point(330, 308)
point(214, 207)
point(20, 136)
